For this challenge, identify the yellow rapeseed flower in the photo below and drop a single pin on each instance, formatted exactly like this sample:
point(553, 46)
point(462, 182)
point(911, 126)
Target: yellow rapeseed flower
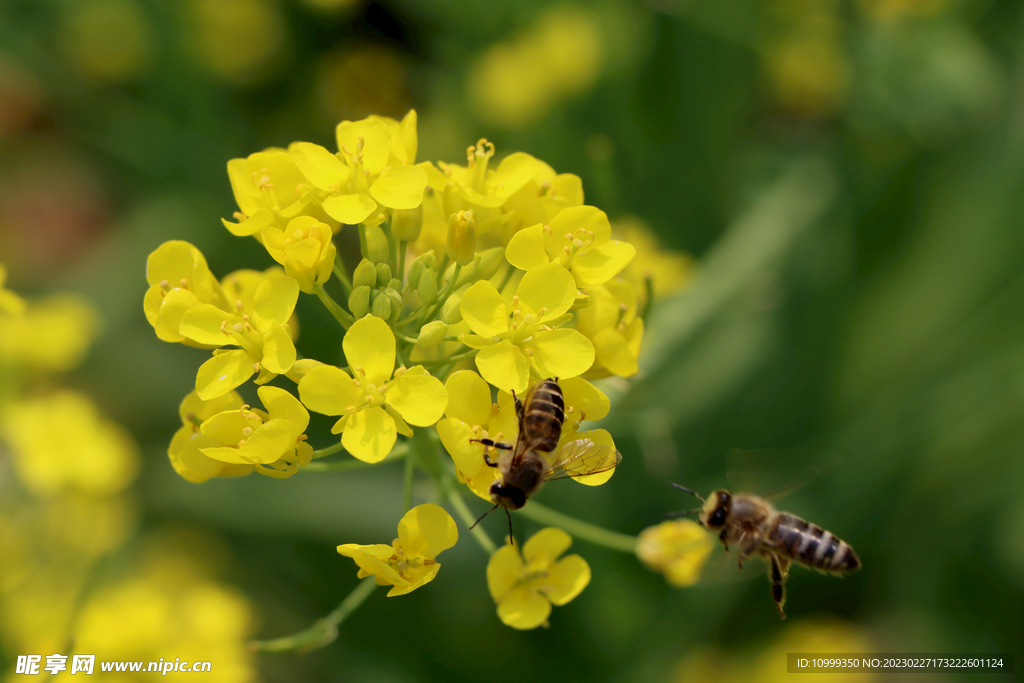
point(578, 239)
point(520, 339)
point(273, 440)
point(410, 561)
point(60, 442)
point(676, 548)
point(269, 190)
point(305, 250)
point(524, 586)
point(184, 450)
point(10, 303)
point(611, 323)
point(50, 335)
point(257, 324)
point(178, 279)
point(375, 406)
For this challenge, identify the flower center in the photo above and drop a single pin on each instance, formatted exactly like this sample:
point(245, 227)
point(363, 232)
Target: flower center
point(478, 156)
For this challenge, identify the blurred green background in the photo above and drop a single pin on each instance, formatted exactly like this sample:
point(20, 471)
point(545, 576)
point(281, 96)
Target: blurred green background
point(849, 176)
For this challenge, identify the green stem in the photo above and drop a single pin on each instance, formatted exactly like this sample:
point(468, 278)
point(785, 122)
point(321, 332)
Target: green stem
point(330, 450)
point(508, 276)
point(468, 519)
point(393, 251)
point(580, 529)
point(402, 244)
point(443, 296)
point(405, 337)
point(450, 359)
point(410, 465)
point(363, 249)
point(339, 272)
point(339, 313)
point(323, 631)
point(649, 289)
point(400, 451)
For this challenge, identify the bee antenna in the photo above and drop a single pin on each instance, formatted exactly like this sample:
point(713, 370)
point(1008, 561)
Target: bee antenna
point(482, 516)
point(511, 538)
point(690, 491)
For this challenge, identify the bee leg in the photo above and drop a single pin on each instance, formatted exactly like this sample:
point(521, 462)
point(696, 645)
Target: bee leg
point(721, 537)
point(778, 580)
point(488, 444)
point(520, 409)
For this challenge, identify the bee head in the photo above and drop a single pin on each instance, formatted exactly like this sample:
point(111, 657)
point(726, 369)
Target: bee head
point(716, 509)
point(508, 497)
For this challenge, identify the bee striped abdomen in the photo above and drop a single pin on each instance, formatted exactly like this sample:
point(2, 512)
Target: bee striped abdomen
point(545, 413)
point(811, 545)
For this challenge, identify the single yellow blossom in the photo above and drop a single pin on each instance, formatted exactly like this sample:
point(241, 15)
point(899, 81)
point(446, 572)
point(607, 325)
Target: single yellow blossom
point(178, 279)
point(305, 250)
point(526, 585)
point(236, 41)
point(10, 303)
point(60, 442)
point(273, 441)
point(359, 178)
point(184, 450)
point(611, 323)
point(520, 338)
point(375, 406)
point(410, 561)
point(676, 548)
point(269, 191)
point(541, 199)
point(257, 325)
point(578, 239)
point(461, 243)
point(51, 335)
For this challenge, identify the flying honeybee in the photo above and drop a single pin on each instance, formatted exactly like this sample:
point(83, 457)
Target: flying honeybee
point(532, 460)
point(755, 527)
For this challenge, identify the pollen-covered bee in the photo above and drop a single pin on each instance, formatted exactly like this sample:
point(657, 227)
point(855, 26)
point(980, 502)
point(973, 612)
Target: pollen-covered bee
point(755, 527)
point(532, 460)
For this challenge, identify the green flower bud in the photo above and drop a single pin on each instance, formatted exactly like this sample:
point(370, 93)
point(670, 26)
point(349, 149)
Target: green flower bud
point(422, 261)
point(359, 301)
point(383, 274)
point(395, 297)
point(427, 287)
point(366, 274)
point(381, 307)
point(395, 284)
point(484, 266)
point(451, 312)
point(376, 244)
point(407, 223)
point(432, 334)
point(461, 244)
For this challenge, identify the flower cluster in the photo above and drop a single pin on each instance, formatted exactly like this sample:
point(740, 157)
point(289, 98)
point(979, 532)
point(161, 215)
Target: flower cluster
point(472, 284)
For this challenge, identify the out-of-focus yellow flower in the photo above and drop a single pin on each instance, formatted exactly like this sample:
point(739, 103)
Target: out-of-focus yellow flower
point(515, 83)
point(374, 406)
point(526, 585)
point(521, 339)
point(272, 440)
point(184, 451)
point(108, 40)
point(236, 40)
point(10, 303)
point(610, 322)
point(257, 325)
point(807, 67)
point(578, 239)
point(354, 81)
point(305, 250)
point(168, 607)
point(669, 271)
point(60, 442)
point(676, 548)
point(268, 189)
point(178, 279)
point(51, 335)
point(410, 561)
point(361, 175)
point(818, 635)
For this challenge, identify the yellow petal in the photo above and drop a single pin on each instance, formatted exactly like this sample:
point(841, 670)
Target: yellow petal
point(320, 167)
point(192, 465)
point(419, 399)
point(202, 324)
point(585, 398)
point(268, 443)
point(171, 308)
point(275, 298)
point(228, 427)
point(602, 263)
point(545, 546)
point(560, 353)
point(370, 350)
point(515, 170)
point(600, 454)
point(282, 405)
point(302, 261)
point(369, 434)
point(426, 530)
point(222, 373)
point(328, 390)
point(588, 218)
point(172, 261)
point(400, 187)
point(547, 286)
point(278, 347)
point(192, 405)
point(524, 609)
point(370, 559)
point(455, 437)
point(526, 248)
point(614, 353)
point(247, 194)
point(469, 397)
point(565, 580)
point(505, 366)
point(484, 310)
point(251, 225)
point(376, 141)
point(349, 208)
point(419, 577)
point(503, 571)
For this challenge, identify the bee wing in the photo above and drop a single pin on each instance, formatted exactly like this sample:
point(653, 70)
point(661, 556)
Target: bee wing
point(584, 457)
point(775, 473)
